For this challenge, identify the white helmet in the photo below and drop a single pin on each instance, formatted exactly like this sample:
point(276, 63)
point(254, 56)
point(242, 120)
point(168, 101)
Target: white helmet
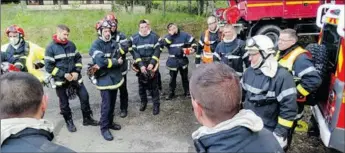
point(260, 43)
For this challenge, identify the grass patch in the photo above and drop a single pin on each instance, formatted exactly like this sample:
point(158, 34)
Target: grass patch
point(39, 26)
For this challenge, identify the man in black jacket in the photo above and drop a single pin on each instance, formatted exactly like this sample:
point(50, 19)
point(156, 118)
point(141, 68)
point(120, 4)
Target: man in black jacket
point(22, 108)
point(216, 96)
point(64, 62)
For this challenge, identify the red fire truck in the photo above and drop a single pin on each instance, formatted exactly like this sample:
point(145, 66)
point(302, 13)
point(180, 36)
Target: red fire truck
point(328, 119)
point(267, 17)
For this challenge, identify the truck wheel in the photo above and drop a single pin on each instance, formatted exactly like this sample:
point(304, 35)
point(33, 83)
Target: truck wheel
point(271, 31)
point(320, 58)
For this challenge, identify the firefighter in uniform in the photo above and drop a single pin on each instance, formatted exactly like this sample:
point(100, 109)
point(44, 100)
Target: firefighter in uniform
point(25, 55)
point(208, 42)
point(230, 51)
point(64, 63)
point(121, 39)
point(269, 89)
point(130, 50)
point(146, 51)
point(107, 59)
point(179, 44)
point(298, 62)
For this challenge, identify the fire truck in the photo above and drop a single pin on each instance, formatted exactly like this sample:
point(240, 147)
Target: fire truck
point(268, 17)
point(328, 120)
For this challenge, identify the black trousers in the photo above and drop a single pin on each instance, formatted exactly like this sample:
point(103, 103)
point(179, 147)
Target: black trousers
point(152, 86)
point(83, 95)
point(159, 80)
point(184, 77)
point(124, 95)
point(107, 108)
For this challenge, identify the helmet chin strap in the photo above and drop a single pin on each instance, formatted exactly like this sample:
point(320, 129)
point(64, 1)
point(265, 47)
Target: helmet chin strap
point(263, 59)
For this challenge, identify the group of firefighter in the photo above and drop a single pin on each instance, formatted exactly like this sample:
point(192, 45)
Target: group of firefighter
point(275, 82)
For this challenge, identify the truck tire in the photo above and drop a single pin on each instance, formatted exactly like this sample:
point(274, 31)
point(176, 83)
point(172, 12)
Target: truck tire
point(320, 58)
point(271, 31)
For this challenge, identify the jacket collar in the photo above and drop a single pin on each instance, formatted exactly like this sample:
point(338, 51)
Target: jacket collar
point(15, 126)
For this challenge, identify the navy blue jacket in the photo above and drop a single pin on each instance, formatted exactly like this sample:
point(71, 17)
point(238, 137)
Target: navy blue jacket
point(303, 68)
point(16, 56)
point(272, 99)
point(121, 39)
point(61, 59)
point(175, 44)
point(105, 55)
point(232, 54)
point(32, 140)
point(146, 49)
point(238, 139)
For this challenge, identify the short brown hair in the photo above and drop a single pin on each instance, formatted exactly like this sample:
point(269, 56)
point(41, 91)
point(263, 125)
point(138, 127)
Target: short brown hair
point(217, 89)
point(63, 27)
point(20, 95)
point(291, 32)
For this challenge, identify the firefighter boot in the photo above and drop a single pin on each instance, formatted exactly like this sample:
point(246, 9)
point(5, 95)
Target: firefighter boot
point(88, 120)
point(143, 106)
point(115, 126)
point(155, 110)
point(123, 113)
point(171, 95)
point(69, 123)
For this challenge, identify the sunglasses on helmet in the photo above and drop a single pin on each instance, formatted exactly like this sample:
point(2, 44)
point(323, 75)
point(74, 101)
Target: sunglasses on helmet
point(252, 43)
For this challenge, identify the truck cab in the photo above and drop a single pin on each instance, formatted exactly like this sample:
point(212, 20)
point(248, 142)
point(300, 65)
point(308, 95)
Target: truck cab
point(329, 112)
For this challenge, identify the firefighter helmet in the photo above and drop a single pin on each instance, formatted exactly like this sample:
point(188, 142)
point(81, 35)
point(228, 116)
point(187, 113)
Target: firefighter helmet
point(111, 17)
point(16, 29)
point(260, 43)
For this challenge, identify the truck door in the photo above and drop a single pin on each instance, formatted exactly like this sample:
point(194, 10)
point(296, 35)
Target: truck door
point(300, 8)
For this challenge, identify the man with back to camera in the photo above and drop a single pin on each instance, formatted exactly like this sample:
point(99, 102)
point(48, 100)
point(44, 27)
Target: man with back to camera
point(22, 108)
point(216, 98)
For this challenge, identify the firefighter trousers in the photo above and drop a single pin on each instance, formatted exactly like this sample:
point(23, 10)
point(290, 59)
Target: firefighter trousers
point(124, 95)
point(107, 108)
point(152, 86)
point(184, 78)
point(159, 80)
point(83, 95)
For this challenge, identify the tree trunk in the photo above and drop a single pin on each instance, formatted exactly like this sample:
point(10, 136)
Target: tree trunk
point(132, 6)
point(126, 6)
point(23, 5)
point(148, 7)
point(202, 2)
point(113, 5)
point(190, 6)
point(206, 8)
point(164, 5)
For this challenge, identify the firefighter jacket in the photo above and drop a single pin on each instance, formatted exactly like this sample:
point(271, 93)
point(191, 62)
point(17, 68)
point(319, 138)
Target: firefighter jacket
point(146, 49)
point(61, 59)
point(121, 39)
point(35, 54)
point(232, 54)
point(206, 46)
point(299, 63)
point(273, 99)
point(175, 44)
point(105, 55)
